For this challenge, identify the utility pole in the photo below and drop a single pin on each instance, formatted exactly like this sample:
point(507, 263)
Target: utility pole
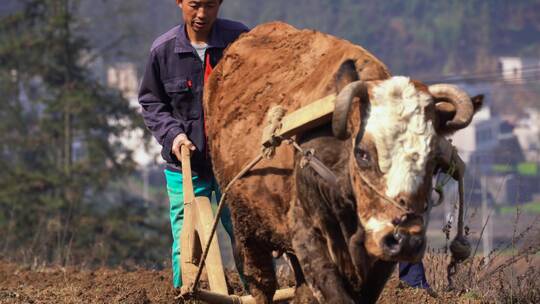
point(68, 134)
point(486, 238)
point(145, 177)
point(70, 195)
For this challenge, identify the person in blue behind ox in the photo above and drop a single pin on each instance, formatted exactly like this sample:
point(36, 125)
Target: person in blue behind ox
point(414, 275)
point(170, 95)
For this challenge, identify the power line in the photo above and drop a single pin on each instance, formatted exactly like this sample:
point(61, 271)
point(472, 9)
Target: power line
point(480, 74)
point(526, 73)
point(526, 77)
point(512, 86)
point(529, 79)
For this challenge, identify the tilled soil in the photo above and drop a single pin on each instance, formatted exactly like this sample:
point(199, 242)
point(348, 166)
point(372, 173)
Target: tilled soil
point(71, 285)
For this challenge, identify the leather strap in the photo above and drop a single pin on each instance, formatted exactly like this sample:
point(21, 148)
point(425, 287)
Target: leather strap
point(312, 161)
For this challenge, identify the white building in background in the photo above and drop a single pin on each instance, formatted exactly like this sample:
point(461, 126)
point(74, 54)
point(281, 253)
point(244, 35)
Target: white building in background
point(511, 69)
point(527, 130)
point(519, 70)
point(123, 76)
point(466, 140)
point(491, 149)
point(490, 138)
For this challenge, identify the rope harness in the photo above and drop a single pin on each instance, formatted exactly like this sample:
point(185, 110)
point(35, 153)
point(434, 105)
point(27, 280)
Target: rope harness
point(271, 140)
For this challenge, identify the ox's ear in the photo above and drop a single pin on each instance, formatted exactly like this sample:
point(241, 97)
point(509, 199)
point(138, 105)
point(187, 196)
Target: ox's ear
point(478, 102)
point(345, 74)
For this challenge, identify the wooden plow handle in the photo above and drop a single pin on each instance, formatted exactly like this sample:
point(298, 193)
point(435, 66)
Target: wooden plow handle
point(198, 217)
point(188, 235)
point(187, 183)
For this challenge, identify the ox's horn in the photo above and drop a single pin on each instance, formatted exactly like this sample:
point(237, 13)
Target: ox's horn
point(448, 93)
point(343, 106)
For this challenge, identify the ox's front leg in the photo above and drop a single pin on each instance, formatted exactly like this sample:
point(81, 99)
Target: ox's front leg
point(378, 275)
point(259, 271)
point(320, 271)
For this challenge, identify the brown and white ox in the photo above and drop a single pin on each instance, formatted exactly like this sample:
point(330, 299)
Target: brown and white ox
point(343, 238)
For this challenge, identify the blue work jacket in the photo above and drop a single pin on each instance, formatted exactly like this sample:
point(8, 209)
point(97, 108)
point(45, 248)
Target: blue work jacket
point(171, 90)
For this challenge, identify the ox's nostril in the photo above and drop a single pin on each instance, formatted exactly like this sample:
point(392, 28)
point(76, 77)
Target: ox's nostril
point(392, 243)
point(402, 202)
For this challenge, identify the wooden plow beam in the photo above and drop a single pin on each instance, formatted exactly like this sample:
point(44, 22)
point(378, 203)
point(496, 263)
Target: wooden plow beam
point(281, 295)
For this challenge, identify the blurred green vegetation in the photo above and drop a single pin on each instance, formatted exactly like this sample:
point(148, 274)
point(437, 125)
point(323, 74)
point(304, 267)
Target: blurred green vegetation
point(529, 208)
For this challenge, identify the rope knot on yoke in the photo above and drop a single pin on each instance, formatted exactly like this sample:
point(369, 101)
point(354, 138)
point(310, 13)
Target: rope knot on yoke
point(270, 139)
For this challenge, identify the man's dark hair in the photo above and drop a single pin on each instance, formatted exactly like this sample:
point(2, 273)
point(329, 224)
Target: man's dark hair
point(178, 1)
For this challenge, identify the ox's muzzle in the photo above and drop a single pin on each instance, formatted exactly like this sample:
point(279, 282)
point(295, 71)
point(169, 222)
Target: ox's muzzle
point(407, 241)
point(403, 244)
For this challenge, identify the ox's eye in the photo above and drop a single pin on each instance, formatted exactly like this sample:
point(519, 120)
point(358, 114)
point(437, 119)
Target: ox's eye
point(362, 157)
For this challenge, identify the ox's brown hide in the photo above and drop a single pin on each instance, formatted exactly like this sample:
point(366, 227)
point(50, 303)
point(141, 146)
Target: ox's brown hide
point(273, 64)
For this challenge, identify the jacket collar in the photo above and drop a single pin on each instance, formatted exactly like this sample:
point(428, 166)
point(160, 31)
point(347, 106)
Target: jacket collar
point(183, 45)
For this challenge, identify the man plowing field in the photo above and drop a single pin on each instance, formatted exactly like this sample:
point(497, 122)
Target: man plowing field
point(171, 100)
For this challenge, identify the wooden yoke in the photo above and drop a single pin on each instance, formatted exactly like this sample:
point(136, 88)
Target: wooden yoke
point(196, 230)
point(309, 116)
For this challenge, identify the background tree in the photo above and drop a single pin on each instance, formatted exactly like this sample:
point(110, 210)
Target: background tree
point(57, 127)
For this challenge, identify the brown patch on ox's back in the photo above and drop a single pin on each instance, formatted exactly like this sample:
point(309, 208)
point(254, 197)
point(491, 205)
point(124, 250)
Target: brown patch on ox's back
point(273, 64)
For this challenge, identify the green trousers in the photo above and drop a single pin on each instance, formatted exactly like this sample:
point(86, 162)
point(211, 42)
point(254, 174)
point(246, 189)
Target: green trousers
point(201, 187)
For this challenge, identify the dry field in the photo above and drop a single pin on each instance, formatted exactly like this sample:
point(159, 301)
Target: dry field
point(511, 274)
point(516, 283)
point(70, 285)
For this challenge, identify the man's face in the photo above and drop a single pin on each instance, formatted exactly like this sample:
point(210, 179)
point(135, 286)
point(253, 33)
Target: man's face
point(200, 15)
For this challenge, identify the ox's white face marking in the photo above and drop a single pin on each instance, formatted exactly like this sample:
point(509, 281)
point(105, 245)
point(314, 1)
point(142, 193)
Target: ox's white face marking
point(397, 122)
point(375, 225)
